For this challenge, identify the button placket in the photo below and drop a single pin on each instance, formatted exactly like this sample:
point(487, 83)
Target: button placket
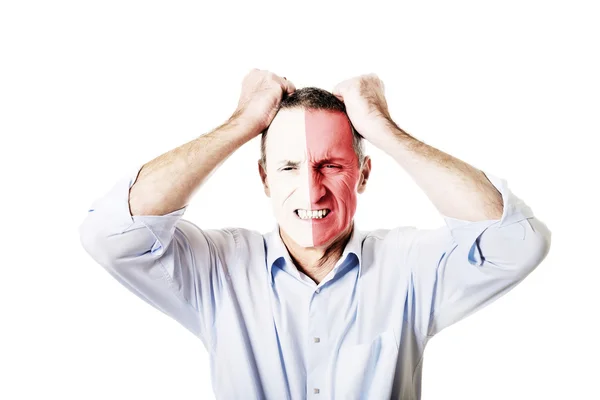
point(316, 351)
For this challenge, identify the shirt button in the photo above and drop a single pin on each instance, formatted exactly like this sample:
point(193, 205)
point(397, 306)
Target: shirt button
point(317, 340)
point(316, 391)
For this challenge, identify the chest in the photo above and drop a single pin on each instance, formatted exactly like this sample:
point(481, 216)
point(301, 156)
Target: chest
point(287, 336)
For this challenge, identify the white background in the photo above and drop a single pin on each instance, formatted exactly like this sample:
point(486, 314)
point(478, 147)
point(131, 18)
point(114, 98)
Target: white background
point(89, 90)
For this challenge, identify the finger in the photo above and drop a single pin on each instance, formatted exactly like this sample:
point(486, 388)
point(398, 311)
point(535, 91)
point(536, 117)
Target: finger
point(290, 88)
point(286, 85)
point(338, 91)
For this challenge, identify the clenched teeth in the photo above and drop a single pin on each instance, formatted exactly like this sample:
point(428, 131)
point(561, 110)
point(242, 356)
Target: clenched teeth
point(312, 214)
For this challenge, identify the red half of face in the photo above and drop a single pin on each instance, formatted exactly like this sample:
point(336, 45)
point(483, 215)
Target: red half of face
point(333, 172)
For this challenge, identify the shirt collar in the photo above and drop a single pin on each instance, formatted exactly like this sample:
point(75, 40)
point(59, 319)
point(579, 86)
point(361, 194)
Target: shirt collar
point(275, 249)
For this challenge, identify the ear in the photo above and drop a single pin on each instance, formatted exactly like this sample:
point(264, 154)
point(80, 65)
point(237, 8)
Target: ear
point(263, 178)
point(365, 171)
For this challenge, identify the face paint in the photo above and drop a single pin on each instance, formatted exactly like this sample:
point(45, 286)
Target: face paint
point(312, 166)
point(286, 141)
point(333, 172)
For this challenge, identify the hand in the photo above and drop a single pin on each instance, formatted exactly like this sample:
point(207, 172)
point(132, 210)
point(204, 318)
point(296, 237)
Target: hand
point(365, 103)
point(261, 95)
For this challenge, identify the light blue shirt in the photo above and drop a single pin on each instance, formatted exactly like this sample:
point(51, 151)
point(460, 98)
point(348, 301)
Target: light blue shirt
point(273, 333)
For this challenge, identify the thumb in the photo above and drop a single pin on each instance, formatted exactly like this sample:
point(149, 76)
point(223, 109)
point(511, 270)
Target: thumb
point(337, 91)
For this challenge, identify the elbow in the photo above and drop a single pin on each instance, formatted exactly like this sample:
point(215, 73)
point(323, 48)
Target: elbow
point(113, 247)
point(536, 245)
point(516, 248)
point(91, 240)
point(98, 242)
point(86, 238)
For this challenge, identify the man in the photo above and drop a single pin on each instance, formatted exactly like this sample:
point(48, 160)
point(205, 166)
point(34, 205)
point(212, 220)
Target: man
point(317, 308)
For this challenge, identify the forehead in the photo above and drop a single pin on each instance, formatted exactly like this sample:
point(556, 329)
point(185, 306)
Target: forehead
point(295, 134)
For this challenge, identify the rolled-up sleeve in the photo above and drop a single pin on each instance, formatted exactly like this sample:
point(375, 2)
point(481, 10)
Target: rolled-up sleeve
point(465, 265)
point(152, 256)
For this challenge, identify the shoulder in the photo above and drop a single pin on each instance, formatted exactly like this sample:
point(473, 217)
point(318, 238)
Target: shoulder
point(224, 240)
point(383, 236)
point(405, 238)
point(385, 242)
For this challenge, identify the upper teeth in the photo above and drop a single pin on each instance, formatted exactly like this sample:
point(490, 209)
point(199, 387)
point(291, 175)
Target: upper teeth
point(308, 214)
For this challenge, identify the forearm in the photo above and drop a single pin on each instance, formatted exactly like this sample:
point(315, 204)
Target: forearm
point(168, 182)
point(457, 189)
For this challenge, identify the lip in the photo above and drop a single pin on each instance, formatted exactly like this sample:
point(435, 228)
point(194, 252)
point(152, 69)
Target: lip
point(316, 220)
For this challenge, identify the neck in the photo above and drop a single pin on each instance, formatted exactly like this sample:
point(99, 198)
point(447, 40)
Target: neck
point(317, 262)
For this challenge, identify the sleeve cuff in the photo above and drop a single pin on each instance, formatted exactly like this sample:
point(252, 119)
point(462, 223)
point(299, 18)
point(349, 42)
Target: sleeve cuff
point(113, 212)
point(466, 233)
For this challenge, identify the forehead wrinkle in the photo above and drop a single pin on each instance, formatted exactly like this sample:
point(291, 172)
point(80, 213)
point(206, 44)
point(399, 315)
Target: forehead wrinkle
point(333, 154)
point(286, 154)
point(329, 140)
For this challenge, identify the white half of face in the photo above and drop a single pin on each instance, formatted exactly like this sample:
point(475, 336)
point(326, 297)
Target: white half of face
point(286, 141)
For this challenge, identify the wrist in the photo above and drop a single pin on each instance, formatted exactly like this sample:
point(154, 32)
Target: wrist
point(244, 125)
point(380, 131)
point(252, 124)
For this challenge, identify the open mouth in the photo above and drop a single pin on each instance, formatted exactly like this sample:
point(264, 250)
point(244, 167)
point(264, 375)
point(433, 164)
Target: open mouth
point(312, 214)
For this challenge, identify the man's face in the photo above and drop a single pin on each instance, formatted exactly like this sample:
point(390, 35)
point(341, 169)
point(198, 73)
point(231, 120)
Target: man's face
point(312, 174)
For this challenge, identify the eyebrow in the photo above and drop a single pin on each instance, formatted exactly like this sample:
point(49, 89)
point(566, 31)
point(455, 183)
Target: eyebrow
point(289, 163)
point(330, 160)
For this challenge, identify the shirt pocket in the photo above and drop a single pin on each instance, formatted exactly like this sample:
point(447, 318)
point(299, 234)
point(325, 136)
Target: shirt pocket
point(366, 370)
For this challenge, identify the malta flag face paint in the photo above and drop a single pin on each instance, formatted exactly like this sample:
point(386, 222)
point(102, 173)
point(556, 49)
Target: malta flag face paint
point(312, 174)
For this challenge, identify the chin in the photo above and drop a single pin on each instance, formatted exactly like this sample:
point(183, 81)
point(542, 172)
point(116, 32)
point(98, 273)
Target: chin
point(304, 244)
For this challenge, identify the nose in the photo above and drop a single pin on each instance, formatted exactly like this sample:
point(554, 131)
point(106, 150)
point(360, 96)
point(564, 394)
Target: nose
point(316, 187)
